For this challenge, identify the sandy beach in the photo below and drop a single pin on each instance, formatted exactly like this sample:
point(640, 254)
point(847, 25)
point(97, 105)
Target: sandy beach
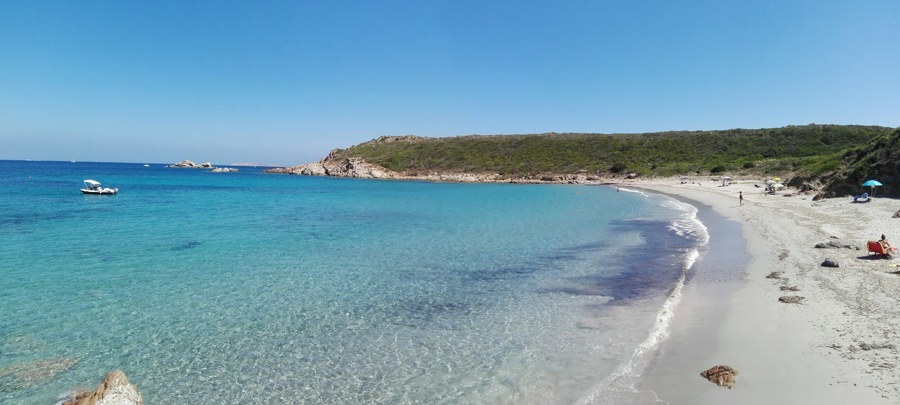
point(837, 346)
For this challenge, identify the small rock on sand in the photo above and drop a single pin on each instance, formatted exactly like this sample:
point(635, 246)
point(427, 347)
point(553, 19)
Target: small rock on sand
point(830, 263)
point(876, 346)
point(834, 244)
point(791, 299)
point(721, 375)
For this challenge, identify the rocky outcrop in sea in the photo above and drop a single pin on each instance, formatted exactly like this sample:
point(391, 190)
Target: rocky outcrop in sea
point(113, 390)
point(187, 164)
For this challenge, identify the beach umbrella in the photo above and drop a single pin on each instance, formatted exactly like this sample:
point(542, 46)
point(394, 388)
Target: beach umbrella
point(872, 184)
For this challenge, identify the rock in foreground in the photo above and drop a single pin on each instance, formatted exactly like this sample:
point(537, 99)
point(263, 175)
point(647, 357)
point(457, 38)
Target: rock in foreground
point(723, 376)
point(113, 390)
point(830, 263)
point(791, 299)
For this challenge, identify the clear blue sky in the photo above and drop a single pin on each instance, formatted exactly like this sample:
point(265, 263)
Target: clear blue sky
point(286, 81)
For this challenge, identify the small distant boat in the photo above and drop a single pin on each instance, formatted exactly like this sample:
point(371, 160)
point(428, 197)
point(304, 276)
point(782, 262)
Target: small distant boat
point(94, 187)
point(146, 165)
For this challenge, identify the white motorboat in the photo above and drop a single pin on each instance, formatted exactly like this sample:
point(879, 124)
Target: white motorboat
point(94, 187)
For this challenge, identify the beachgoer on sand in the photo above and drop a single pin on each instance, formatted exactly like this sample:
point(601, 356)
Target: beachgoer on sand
point(887, 246)
point(741, 197)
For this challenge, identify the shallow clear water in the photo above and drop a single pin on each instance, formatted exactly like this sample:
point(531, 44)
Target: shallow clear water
point(253, 288)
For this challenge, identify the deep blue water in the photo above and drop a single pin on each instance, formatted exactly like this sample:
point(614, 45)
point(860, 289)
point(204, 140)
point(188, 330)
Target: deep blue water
point(252, 288)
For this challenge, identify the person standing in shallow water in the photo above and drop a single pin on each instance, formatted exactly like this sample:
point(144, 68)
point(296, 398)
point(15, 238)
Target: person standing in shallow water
point(741, 197)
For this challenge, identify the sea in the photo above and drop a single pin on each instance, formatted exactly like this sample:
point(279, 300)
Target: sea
point(256, 288)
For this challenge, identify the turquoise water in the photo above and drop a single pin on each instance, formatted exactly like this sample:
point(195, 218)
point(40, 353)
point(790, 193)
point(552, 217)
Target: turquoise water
point(250, 288)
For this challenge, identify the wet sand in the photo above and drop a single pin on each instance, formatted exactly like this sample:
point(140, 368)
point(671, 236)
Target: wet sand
point(837, 346)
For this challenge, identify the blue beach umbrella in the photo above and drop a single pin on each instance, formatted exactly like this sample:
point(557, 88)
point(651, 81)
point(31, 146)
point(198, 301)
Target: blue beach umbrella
point(872, 184)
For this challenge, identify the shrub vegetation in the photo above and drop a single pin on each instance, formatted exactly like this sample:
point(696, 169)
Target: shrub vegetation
point(810, 147)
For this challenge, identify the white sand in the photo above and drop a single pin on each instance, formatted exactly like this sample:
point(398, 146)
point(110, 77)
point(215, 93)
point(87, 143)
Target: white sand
point(813, 352)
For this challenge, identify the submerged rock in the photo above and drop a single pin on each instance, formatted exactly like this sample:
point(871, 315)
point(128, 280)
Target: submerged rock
point(26, 375)
point(113, 390)
point(721, 375)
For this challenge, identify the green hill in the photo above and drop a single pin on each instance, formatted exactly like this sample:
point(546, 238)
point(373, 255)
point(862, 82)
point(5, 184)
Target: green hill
point(808, 148)
point(842, 173)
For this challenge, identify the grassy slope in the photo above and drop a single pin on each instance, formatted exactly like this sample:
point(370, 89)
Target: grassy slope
point(775, 150)
point(843, 173)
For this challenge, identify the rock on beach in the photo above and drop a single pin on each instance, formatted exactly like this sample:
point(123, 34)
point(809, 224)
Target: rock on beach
point(721, 375)
point(830, 263)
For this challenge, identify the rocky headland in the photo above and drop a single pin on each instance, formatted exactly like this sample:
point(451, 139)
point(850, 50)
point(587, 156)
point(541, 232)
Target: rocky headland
point(832, 160)
point(357, 167)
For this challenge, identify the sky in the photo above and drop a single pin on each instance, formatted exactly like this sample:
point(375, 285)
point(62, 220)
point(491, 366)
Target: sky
point(284, 82)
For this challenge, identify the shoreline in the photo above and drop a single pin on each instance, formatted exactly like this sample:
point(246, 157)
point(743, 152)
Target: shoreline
point(839, 345)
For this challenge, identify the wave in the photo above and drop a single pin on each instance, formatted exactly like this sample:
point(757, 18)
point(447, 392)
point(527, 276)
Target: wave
point(623, 378)
point(628, 190)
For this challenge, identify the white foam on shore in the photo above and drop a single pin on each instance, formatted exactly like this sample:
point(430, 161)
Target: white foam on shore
point(628, 190)
point(622, 380)
point(688, 224)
